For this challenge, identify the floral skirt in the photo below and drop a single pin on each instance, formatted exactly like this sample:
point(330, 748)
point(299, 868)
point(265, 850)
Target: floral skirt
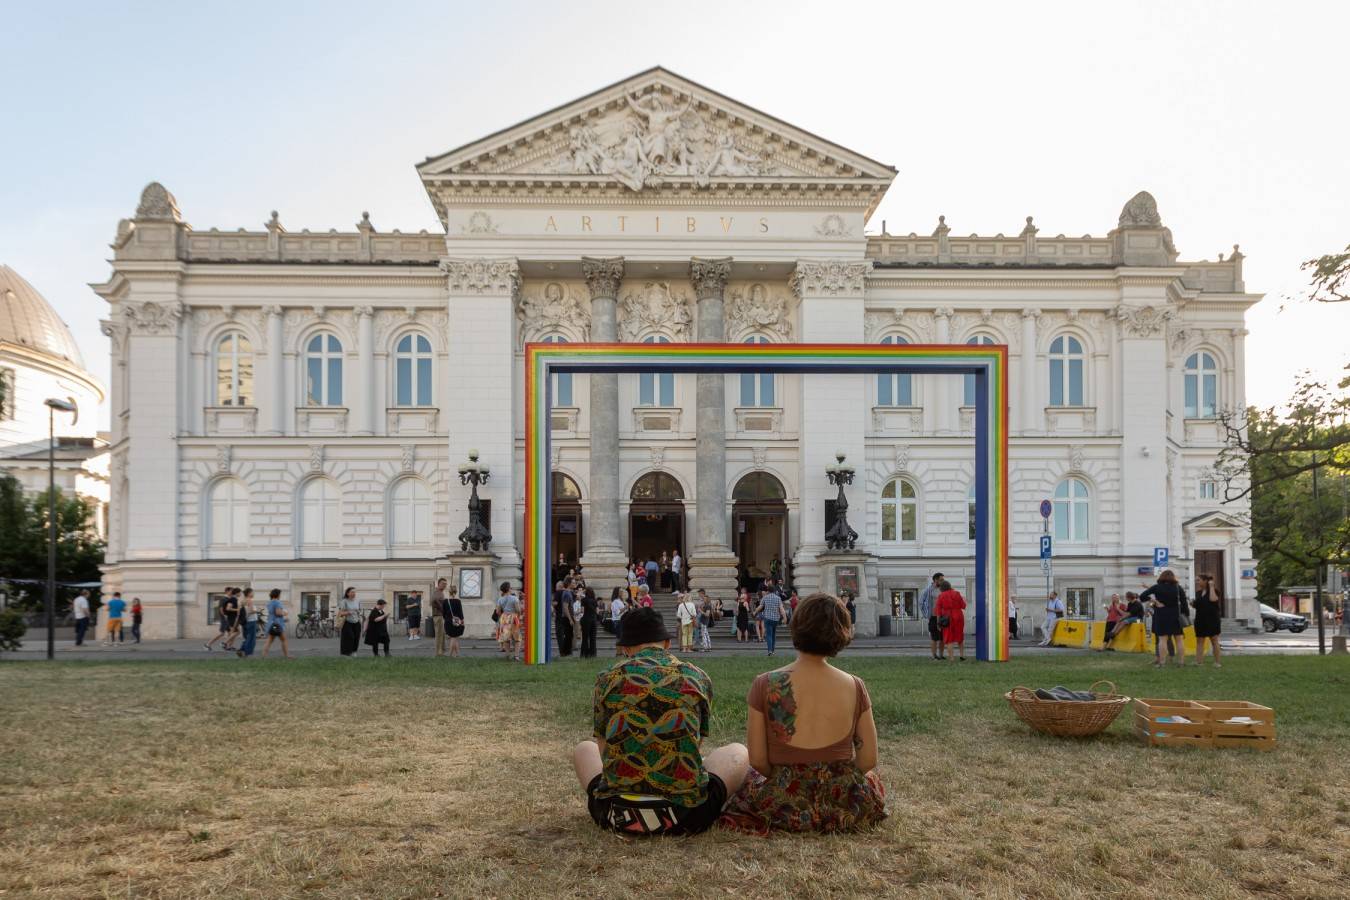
point(822, 797)
point(508, 629)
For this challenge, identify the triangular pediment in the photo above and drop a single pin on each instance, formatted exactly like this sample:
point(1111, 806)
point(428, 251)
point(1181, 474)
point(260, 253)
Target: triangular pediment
point(1212, 519)
point(655, 131)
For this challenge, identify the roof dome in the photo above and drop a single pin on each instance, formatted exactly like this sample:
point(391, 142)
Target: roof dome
point(28, 320)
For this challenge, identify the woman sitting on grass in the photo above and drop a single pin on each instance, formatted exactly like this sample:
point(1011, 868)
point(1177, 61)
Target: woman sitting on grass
point(811, 737)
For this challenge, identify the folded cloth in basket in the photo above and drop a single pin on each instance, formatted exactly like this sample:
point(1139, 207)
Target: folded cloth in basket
point(1060, 692)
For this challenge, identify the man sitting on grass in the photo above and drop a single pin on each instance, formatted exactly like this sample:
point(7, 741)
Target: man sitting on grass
point(643, 772)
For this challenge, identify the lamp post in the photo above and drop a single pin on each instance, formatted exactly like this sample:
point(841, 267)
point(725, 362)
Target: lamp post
point(475, 537)
point(53, 404)
point(840, 536)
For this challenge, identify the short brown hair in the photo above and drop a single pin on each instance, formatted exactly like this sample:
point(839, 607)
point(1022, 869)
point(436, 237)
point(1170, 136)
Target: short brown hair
point(821, 625)
point(1167, 577)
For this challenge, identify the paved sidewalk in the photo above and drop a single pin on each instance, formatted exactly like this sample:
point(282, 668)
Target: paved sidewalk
point(35, 648)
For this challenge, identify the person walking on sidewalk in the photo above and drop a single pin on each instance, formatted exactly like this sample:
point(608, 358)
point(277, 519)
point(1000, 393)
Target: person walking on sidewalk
point(377, 629)
point(686, 612)
point(771, 608)
point(276, 623)
point(248, 617)
point(137, 612)
point(80, 610)
point(349, 609)
point(928, 611)
point(116, 607)
point(438, 614)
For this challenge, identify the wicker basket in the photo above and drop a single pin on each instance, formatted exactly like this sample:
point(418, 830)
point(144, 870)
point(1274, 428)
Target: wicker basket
point(1068, 718)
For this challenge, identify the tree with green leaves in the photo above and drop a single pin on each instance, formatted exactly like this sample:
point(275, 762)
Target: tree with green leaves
point(1329, 277)
point(24, 536)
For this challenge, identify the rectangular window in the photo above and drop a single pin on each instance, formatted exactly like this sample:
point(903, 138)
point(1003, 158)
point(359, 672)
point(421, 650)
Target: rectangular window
point(905, 603)
point(213, 607)
point(403, 378)
point(1078, 603)
point(314, 603)
point(1056, 382)
point(314, 381)
point(1209, 490)
point(424, 384)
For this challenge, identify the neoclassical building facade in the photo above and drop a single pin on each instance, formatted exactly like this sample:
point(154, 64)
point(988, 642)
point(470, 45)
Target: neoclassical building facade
point(291, 409)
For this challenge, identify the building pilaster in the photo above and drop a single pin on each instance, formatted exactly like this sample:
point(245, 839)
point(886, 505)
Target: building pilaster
point(1028, 393)
point(365, 364)
point(276, 369)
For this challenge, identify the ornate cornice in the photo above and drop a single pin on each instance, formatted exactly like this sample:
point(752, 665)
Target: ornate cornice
point(831, 278)
point(482, 276)
point(603, 276)
point(709, 276)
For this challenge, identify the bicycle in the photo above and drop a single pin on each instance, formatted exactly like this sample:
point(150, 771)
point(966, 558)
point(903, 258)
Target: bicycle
point(310, 625)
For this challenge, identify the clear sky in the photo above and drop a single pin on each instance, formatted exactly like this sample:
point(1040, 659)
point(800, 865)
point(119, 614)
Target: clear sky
point(1231, 114)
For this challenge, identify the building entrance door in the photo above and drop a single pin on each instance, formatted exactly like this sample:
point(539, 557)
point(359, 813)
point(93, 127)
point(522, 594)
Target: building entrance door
point(759, 515)
point(566, 515)
point(1210, 562)
point(656, 517)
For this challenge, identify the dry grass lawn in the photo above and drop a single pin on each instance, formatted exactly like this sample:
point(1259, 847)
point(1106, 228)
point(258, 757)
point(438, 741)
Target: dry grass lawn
point(432, 778)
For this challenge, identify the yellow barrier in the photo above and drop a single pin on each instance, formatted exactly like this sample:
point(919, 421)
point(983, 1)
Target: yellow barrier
point(1133, 639)
point(1070, 633)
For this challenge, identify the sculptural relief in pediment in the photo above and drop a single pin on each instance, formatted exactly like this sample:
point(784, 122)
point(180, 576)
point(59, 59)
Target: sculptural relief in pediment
point(755, 309)
point(655, 308)
point(553, 308)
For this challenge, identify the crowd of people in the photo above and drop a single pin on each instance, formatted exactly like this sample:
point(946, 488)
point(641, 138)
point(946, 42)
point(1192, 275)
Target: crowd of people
point(808, 763)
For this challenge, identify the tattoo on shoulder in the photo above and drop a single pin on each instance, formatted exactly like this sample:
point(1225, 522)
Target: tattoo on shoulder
point(781, 706)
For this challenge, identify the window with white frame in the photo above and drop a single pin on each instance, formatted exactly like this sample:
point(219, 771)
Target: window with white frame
point(1079, 602)
point(904, 603)
point(562, 381)
point(1202, 386)
point(1209, 490)
point(1066, 371)
point(899, 511)
point(323, 371)
point(320, 513)
point(970, 513)
point(234, 370)
point(410, 513)
point(656, 388)
point(756, 389)
point(968, 395)
point(6, 394)
point(412, 371)
point(895, 390)
point(1072, 510)
point(227, 519)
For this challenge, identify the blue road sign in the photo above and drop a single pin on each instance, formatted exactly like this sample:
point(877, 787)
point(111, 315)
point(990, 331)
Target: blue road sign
point(1159, 556)
point(1045, 509)
point(1046, 547)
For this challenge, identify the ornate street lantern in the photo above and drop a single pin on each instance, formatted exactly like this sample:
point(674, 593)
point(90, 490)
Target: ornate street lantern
point(840, 536)
point(475, 537)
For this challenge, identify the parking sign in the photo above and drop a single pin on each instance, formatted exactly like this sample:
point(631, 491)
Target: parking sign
point(1046, 547)
point(1159, 557)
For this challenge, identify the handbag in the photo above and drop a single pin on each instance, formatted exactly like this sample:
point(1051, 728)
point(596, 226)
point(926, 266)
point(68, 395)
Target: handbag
point(275, 629)
point(1184, 613)
point(944, 621)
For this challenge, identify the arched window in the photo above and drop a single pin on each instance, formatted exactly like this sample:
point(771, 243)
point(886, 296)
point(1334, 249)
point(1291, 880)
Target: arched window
point(895, 390)
point(412, 371)
point(562, 382)
point(899, 511)
point(409, 513)
point(756, 390)
point(657, 486)
point(227, 520)
point(1202, 386)
point(323, 371)
point(758, 486)
point(656, 389)
point(1072, 509)
point(234, 370)
point(1066, 371)
point(565, 489)
point(970, 513)
point(969, 397)
point(320, 513)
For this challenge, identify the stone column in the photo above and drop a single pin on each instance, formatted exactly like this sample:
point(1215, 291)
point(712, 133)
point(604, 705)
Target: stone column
point(276, 370)
point(1028, 392)
point(712, 565)
point(603, 557)
point(365, 364)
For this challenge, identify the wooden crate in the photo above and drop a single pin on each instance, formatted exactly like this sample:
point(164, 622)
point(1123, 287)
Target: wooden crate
point(1198, 732)
point(1259, 735)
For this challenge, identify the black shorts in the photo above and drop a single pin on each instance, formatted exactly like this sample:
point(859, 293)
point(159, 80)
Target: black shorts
point(653, 818)
point(414, 621)
point(934, 629)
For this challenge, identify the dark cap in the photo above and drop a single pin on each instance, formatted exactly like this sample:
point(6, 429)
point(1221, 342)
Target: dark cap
point(643, 625)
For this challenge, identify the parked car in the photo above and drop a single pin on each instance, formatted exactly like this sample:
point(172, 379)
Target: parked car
point(1273, 620)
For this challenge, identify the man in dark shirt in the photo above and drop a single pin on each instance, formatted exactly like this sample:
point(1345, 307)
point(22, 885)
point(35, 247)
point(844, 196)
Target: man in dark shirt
point(1134, 612)
point(643, 770)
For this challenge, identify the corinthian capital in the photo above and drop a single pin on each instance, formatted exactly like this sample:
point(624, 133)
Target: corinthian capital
point(482, 276)
point(829, 278)
point(603, 275)
point(709, 276)
point(364, 312)
point(1031, 313)
point(944, 312)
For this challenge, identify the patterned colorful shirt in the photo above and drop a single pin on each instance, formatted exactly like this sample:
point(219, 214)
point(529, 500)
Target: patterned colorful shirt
point(652, 710)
